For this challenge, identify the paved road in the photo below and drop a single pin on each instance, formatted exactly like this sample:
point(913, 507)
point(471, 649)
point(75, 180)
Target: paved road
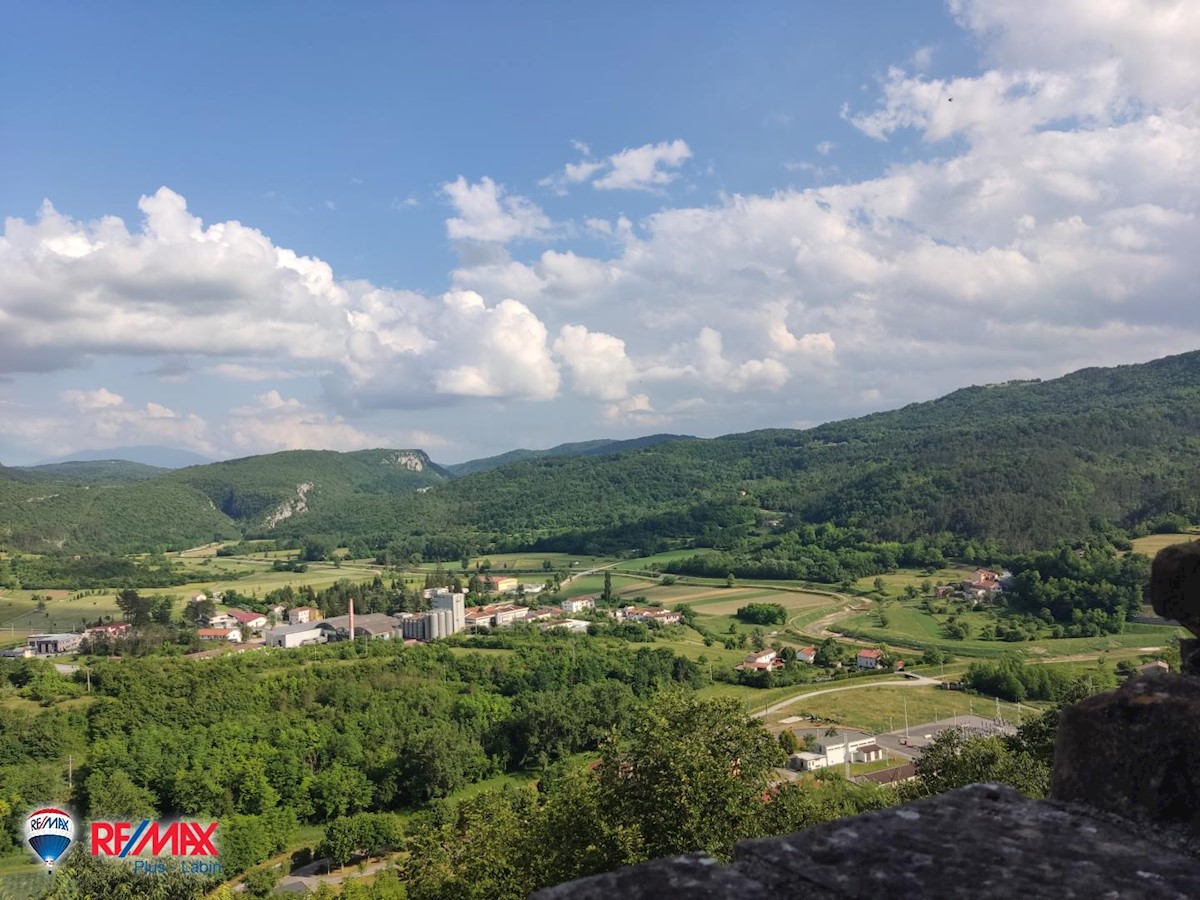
point(308, 877)
point(922, 681)
point(912, 745)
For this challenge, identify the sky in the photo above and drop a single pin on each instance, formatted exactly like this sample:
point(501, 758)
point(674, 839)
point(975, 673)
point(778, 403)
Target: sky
point(239, 228)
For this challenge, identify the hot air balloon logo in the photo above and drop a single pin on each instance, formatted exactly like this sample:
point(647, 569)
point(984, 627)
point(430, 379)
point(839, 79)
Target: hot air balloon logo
point(49, 832)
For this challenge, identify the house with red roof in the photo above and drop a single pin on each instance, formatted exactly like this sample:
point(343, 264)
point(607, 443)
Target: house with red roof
point(251, 621)
point(762, 661)
point(806, 655)
point(219, 634)
point(870, 659)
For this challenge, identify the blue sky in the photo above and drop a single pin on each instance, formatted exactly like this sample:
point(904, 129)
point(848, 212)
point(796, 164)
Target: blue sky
point(776, 215)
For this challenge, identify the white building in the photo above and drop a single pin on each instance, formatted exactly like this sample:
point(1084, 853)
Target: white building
point(221, 620)
point(249, 621)
point(232, 635)
point(578, 604)
point(661, 616)
point(54, 643)
point(456, 604)
point(289, 636)
point(832, 750)
point(428, 626)
point(806, 655)
point(577, 626)
point(870, 659)
point(480, 617)
point(301, 615)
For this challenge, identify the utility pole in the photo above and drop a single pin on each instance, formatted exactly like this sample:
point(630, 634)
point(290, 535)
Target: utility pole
point(906, 718)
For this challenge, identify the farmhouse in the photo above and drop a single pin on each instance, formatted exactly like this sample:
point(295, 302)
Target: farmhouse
point(870, 659)
point(762, 661)
point(983, 585)
point(54, 643)
point(806, 655)
point(541, 613)
point(221, 620)
point(661, 616)
point(578, 604)
point(249, 620)
point(219, 634)
point(1158, 667)
point(289, 636)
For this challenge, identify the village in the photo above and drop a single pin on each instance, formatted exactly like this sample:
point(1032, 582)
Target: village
point(285, 627)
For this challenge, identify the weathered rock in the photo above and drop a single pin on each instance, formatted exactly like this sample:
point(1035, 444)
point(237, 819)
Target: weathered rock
point(1175, 594)
point(696, 876)
point(979, 841)
point(1134, 752)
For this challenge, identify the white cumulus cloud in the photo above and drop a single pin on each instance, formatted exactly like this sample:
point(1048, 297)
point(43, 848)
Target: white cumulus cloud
point(488, 213)
point(646, 168)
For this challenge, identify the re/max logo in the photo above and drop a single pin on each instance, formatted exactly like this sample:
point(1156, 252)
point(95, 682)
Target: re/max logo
point(121, 839)
point(42, 823)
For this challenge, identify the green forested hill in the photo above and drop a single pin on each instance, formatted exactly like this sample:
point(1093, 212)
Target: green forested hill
point(1024, 464)
point(259, 490)
point(45, 516)
point(603, 446)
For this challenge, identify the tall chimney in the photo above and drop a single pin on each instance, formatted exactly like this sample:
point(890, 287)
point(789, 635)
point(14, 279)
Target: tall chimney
point(351, 618)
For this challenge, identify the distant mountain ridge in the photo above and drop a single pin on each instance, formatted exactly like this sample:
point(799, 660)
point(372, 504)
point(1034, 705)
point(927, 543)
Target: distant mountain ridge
point(147, 454)
point(582, 448)
point(1024, 464)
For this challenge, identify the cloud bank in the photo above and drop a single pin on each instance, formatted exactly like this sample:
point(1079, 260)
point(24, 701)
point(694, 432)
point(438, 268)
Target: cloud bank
point(1047, 220)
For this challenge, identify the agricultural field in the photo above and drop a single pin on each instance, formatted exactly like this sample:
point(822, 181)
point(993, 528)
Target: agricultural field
point(645, 562)
point(1152, 543)
point(896, 582)
point(729, 600)
point(881, 709)
point(522, 562)
point(19, 616)
point(911, 626)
